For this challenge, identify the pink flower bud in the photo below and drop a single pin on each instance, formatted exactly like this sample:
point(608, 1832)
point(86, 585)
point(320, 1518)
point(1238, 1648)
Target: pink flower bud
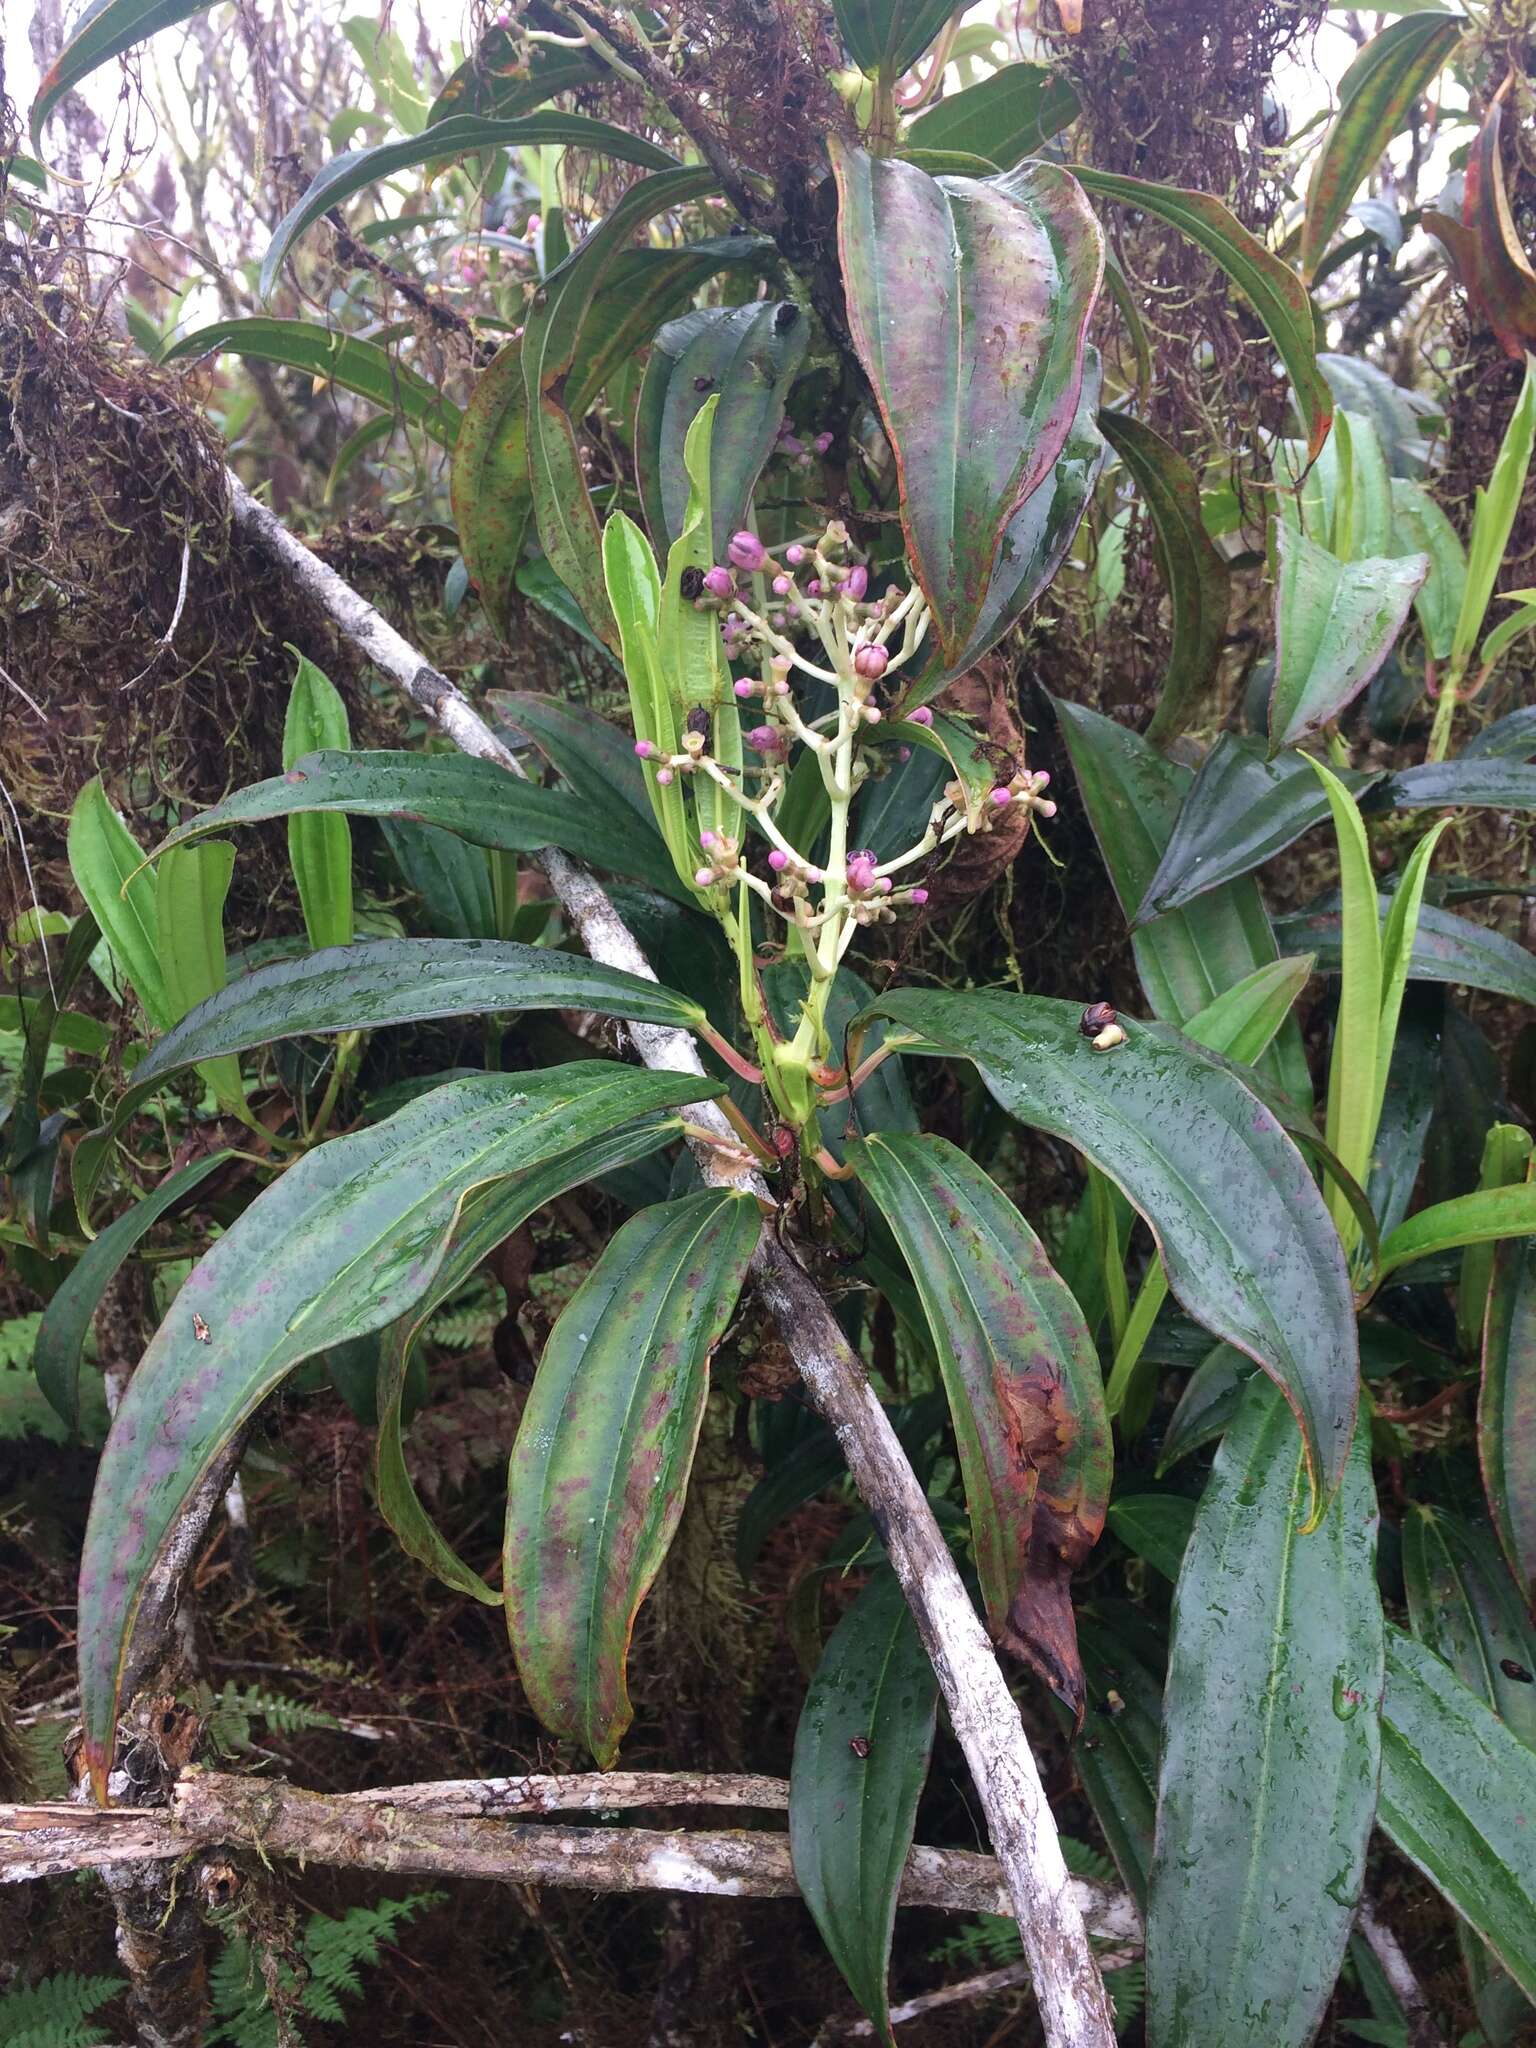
point(884, 884)
point(763, 739)
point(744, 688)
point(535, 222)
point(1001, 796)
point(814, 586)
point(871, 714)
point(871, 663)
point(861, 871)
point(919, 896)
point(903, 753)
point(790, 445)
point(644, 749)
point(746, 551)
point(707, 839)
point(921, 716)
point(857, 583)
point(719, 582)
point(815, 875)
point(822, 443)
point(781, 586)
point(703, 876)
point(778, 861)
point(1042, 778)
point(663, 776)
point(794, 554)
point(1046, 808)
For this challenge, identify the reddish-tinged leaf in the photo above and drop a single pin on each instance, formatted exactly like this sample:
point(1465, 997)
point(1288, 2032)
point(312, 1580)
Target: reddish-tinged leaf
point(1025, 1389)
point(1484, 248)
point(603, 1453)
point(1506, 1409)
point(492, 502)
point(969, 302)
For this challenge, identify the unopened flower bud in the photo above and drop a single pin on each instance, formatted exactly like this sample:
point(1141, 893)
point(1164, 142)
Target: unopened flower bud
point(1001, 796)
point(663, 776)
point(794, 554)
point(856, 583)
point(813, 588)
point(921, 716)
point(919, 896)
point(871, 714)
point(703, 876)
point(778, 861)
point(644, 749)
point(763, 739)
point(781, 586)
point(822, 443)
point(719, 582)
point(746, 551)
point(708, 838)
point(861, 871)
point(744, 688)
point(871, 663)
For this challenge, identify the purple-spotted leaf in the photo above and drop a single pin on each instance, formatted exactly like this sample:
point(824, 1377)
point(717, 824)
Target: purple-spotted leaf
point(344, 1243)
point(1271, 1742)
point(969, 302)
point(1248, 1246)
point(861, 1754)
point(1335, 624)
point(1506, 1409)
point(492, 503)
point(603, 1453)
point(1026, 1391)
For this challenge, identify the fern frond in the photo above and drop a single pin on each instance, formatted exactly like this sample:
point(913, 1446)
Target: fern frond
point(56, 2012)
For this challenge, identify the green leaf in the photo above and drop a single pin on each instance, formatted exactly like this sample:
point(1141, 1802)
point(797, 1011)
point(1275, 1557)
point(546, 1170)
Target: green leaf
point(1457, 1792)
point(888, 36)
point(1116, 1755)
point(1375, 93)
point(1493, 783)
point(1504, 635)
point(1197, 579)
point(1247, 1244)
point(1477, 1218)
point(364, 367)
point(597, 759)
point(1273, 289)
point(486, 1220)
point(1010, 115)
point(1207, 1405)
point(42, 1021)
point(1026, 1393)
point(604, 1449)
point(191, 883)
point(751, 356)
point(1157, 1526)
point(477, 800)
point(1241, 810)
point(454, 136)
point(562, 505)
point(343, 1244)
point(375, 983)
point(1335, 624)
point(1512, 737)
point(1014, 260)
point(1244, 1018)
point(1493, 519)
point(504, 76)
point(1463, 1606)
point(1506, 1409)
point(319, 845)
point(1271, 1744)
point(861, 1755)
point(1446, 948)
point(1185, 958)
point(66, 1320)
point(1506, 1161)
point(492, 498)
point(103, 31)
point(108, 866)
point(1419, 526)
point(452, 878)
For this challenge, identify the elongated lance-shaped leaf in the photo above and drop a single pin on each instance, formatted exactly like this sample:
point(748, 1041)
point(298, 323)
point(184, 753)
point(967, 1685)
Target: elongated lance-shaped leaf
point(1197, 579)
point(1272, 287)
point(492, 498)
point(455, 136)
point(1446, 948)
point(969, 302)
point(42, 1021)
point(1478, 1218)
point(1246, 1241)
point(1506, 1161)
point(1186, 959)
point(103, 31)
point(450, 877)
point(600, 1467)
point(1512, 737)
point(888, 36)
point(487, 1219)
point(562, 505)
point(750, 355)
point(1493, 520)
point(1271, 1745)
point(107, 863)
point(341, 1245)
point(191, 883)
point(1374, 94)
point(1335, 624)
point(1494, 783)
point(1210, 1399)
point(634, 592)
point(1036, 539)
point(1026, 1391)
point(595, 757)
point(1484, 245)
point(66, 1320)
point(504, 76)
point(1458, 1789)
point(1241, 809)
point(1419, 526)
point(1464, 1606)
point(1009, 115)
point(319, 843)
point(377, 983)
point(1506, 1409)
point(478, 800)
point(861, 1754)
point(364, 367)
point(1116, 1754)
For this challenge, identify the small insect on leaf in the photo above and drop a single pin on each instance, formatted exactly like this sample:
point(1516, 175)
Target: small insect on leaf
point(201, 1331)
point(1516, 1671)
point(859, 1744)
